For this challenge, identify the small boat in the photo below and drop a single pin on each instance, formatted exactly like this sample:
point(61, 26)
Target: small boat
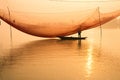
point(72, 38)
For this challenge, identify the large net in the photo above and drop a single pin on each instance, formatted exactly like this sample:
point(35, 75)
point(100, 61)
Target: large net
point(50, 18)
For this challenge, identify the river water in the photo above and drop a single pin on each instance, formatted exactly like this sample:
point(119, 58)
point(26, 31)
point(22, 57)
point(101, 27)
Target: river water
point(25, 57)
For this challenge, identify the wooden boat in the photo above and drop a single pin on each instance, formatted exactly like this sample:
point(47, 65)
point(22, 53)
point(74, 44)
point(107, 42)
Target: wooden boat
point(56, 24)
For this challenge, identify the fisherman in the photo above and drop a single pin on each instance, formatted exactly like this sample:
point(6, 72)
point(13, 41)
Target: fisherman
point(0, 22)
point(79, 34)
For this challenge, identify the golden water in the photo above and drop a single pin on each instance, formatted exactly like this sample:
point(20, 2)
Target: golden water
point(32, 58)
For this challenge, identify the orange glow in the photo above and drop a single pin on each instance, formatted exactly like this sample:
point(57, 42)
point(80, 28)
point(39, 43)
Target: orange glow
point(58, 5)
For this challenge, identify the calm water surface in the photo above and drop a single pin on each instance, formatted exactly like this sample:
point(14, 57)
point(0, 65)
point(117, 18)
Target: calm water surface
point(31, 58)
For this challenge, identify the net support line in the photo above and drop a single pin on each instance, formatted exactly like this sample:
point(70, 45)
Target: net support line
point(100, 47)
point(100, 22)
point(10, 26)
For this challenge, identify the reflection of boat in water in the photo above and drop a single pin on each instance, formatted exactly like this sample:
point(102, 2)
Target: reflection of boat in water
point(37, 56)
point(45, 49)
point(56, 24)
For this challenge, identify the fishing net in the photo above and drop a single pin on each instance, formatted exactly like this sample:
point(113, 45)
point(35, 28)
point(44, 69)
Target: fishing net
point(49, 18)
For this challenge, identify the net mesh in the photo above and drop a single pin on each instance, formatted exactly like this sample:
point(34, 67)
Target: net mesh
point(53, 23)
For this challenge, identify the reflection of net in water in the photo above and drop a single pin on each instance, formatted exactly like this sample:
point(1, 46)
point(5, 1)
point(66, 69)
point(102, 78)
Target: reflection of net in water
point(54, 24)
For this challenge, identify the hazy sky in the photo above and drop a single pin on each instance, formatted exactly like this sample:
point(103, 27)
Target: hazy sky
point(60, 5)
